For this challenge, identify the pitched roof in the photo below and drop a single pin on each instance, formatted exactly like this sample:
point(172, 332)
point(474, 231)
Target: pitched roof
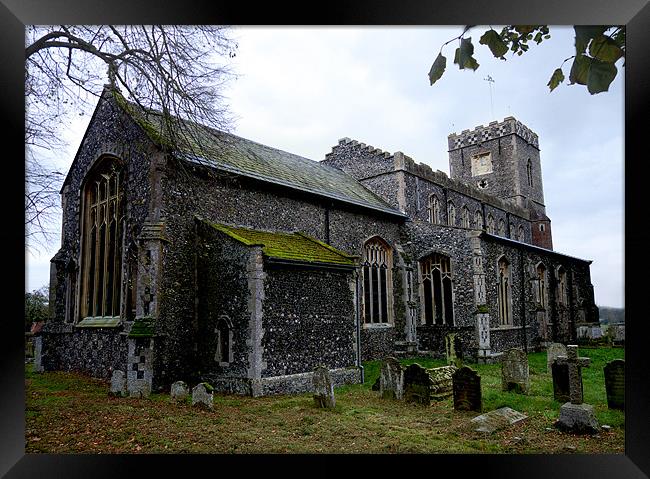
point(231, 153)
point(294, 247)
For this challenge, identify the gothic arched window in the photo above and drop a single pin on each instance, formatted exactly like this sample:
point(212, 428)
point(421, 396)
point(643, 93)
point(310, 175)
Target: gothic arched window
point(561, 286)
point(465, 217)
point(478, 220)
point(529, 172)
point(504, 292)
point(520, 235)
point(451, 214)
point(437, 294)
point(490, 224)
point(502, 228)
point(434, 209)
point(377, 282)
point(101, 242)
point(223, 355)
point(541, 285)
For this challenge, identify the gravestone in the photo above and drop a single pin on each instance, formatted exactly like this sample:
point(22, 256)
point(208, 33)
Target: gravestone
point(576, 416)
point(497, 419)
point(514, 371)
point(323, 388)
point(118, 383)
point(391, 379)
point(202, 396)
point(453, 349)
point(376, 385)
point(560, 374)
point(467, 390)
point(179, 391)
point(615, 384)
point(417, 385)
point(553, 351)
point(442, 381)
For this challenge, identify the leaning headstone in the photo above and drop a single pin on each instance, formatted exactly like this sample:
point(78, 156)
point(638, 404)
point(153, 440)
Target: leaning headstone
point(179, 391)
point(560, 374)
point(391, 379)
point(497, 419)
point(442, 379)
point(453, 349)
point(514, 371)
point(323, 388)
point(575, 365)
point(467, 390)
point(118, 383)
point(553, 351)
point(615, 384)
point(203, 395)
point(417, 385)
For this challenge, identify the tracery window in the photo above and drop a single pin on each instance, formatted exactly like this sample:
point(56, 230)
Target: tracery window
point(102, 241)
point(465, 217)
point(520, 235)
point(504, 292)
point(434, 209)
point(437, 294)
point(478, 220)
point(502, 228)
point(451, 214)
point(490, 224)
point(529, 172)
point(377, 282)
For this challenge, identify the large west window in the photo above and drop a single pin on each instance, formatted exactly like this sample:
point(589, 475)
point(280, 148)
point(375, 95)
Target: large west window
point(437, 290)
point(377, 282)
point(101, 242)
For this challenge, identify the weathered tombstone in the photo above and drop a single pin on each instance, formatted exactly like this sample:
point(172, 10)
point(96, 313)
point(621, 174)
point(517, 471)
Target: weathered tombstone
point(467, 390)
point(391, 379)
point(514, 371)
point(453, 349)
point(560, 374)
point(615, 384)
point(575, 376)
point(323, 388)
point(203, 395)
point(442, 380)
point(417, 385)
point(576, 416)
point(497, 419)
point(553, 351)
point(118, 383)
point(179, 391)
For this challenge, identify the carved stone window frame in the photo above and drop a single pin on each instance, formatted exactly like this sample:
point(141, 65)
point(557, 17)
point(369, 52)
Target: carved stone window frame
point(377, 283)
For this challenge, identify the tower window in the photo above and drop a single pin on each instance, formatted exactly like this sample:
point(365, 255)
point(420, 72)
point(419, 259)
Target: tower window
point(529, 172)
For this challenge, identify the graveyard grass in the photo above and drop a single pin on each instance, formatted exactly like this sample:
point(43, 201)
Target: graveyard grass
point(72, 413)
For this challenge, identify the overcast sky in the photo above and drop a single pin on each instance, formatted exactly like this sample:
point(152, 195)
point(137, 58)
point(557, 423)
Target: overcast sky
point(302, 89)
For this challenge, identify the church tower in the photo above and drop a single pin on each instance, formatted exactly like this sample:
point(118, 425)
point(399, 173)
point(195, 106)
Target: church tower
point(502, 159)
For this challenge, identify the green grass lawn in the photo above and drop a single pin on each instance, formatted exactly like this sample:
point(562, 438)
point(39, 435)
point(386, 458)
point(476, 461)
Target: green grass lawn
point(70, 412)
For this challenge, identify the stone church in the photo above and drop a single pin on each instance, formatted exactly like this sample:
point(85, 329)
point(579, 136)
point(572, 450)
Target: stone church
point(247, 267)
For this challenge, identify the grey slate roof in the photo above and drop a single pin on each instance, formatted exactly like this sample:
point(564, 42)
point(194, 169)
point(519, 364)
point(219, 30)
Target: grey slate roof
point(231, 153)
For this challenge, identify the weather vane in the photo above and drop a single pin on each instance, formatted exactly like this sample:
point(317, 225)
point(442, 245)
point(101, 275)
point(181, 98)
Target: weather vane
point(490, 80)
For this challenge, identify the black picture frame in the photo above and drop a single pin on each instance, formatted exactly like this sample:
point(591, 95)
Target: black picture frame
point(635, 14)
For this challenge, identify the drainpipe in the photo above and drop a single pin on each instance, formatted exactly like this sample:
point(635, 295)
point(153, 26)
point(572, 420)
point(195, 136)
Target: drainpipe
point(523, 298)
point(358, 321)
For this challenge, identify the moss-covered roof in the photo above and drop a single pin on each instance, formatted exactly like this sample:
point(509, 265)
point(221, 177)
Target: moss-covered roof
point(288, 246)
point(209, 147)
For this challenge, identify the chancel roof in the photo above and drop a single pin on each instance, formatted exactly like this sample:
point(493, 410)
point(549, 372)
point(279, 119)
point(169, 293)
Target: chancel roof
point(231, 153)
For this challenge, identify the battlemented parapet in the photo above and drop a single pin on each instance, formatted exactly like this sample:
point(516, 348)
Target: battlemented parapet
point(493, 130)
